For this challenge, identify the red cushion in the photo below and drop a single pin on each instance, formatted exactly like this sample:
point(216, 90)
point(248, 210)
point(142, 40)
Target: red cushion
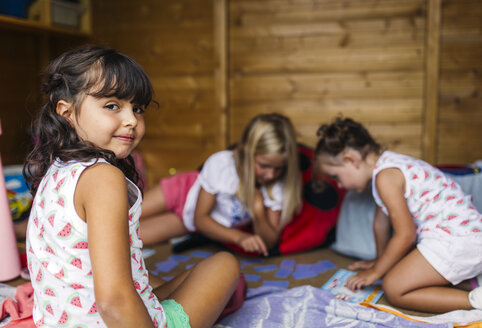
point(317, 217)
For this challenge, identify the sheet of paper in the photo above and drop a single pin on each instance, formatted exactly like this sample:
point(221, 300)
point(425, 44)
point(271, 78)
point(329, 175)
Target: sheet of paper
point(336, 285)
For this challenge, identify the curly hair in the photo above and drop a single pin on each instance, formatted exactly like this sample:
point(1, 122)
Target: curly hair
point(89, 70)
point(345, 133)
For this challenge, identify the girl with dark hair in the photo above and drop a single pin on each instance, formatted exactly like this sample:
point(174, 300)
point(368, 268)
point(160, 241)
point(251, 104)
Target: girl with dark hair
point(437, 237)
point(84, 252)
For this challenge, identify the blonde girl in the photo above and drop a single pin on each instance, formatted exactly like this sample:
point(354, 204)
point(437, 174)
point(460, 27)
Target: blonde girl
point(259, 182)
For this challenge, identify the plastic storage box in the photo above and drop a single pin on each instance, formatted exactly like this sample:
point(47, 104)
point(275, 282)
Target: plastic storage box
point(16, 8)
point(66, 13)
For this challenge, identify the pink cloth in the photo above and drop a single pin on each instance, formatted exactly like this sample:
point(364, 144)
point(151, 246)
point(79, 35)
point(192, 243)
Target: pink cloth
point(20, 308)
point(175, 190)
point(237, 299)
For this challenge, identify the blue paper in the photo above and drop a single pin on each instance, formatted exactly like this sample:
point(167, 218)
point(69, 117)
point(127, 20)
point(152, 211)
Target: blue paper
point(288, 264)
point(276, 283)
point(252, 277)
point(323, 266)
point(269, 267)
point(304, 271)
point(181, 258)
point(250, 261)
point(201, 254)
point(166, 266)
point(287, 267)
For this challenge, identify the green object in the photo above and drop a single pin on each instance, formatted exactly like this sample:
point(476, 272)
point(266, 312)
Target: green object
point(175, 315)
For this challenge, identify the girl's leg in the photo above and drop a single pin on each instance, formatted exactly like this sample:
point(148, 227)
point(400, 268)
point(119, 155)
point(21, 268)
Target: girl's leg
point(156, 224)
point(153, 202)
point(414, 284)
point(160, 228)
point(204, 290)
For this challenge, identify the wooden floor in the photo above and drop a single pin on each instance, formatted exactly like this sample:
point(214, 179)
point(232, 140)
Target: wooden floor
point(163, 251)
point(194, 255)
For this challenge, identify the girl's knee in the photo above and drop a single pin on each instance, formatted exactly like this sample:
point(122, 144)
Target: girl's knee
point(391, 289)
point(227, 262)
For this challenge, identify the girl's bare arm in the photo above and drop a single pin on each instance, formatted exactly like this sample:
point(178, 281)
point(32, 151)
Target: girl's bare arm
point(391, 188)
point(212, 229)
point(101, 200)
point(266, 222)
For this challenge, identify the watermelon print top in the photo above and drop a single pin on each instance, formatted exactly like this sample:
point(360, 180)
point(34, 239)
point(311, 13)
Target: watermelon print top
point(438, 205)
point(58, 255)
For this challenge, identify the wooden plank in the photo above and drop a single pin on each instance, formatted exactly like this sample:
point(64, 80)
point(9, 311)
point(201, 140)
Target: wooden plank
point(319, 86)
point(400, 110)
point(220, 69)
point(326, 28)
point(460, 110)
point(461, 56)
point(459, 145)
point(86, 18)
point(269, 7)
point(297, 13)
point(242, 46)
point(432, 60)
point(332, 60)
point(180, 83)
point(163, 43)
point(20, 90)
point(460, 8)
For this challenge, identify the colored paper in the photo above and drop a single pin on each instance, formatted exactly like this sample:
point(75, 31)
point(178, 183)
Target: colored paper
point(263, 268)
point(276, 283)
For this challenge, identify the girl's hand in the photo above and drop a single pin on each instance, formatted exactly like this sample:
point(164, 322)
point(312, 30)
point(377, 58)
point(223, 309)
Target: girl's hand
point(362, 279)
point(362, 265)
point(253, 243)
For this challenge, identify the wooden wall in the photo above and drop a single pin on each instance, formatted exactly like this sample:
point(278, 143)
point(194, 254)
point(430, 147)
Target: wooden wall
point(459, 128)
point(314, 60)
point(173, 40)
point(25, 54)
point(410, 70)
point(19, 93)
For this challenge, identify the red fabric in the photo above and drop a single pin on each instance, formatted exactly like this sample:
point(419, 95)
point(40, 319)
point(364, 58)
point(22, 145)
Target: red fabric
point(23, 260)
point(310, 227)
point(237, 299)
point(20, 309)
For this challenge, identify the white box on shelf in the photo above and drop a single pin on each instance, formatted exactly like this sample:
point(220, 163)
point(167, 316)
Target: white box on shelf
point(66, 13)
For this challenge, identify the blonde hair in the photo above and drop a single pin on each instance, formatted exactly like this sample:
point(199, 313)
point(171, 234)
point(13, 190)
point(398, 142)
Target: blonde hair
point(269, 134)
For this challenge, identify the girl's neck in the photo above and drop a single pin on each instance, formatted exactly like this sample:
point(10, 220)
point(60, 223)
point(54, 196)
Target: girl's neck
point(371, 160)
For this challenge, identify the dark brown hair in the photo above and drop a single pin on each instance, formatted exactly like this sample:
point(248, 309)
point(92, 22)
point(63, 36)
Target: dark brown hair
point(90, 70)
point(344, 133)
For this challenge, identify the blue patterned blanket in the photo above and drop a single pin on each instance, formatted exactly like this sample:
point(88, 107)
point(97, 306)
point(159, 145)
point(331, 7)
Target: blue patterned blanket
point(307, 306)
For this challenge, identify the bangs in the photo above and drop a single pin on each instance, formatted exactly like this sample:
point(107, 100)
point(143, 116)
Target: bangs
point(119, 76)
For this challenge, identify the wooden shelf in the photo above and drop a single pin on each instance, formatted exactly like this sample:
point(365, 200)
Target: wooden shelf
point(40, 20)
point(19, 24)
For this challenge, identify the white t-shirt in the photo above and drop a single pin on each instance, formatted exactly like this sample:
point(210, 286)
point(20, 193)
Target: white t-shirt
point(219, 177)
